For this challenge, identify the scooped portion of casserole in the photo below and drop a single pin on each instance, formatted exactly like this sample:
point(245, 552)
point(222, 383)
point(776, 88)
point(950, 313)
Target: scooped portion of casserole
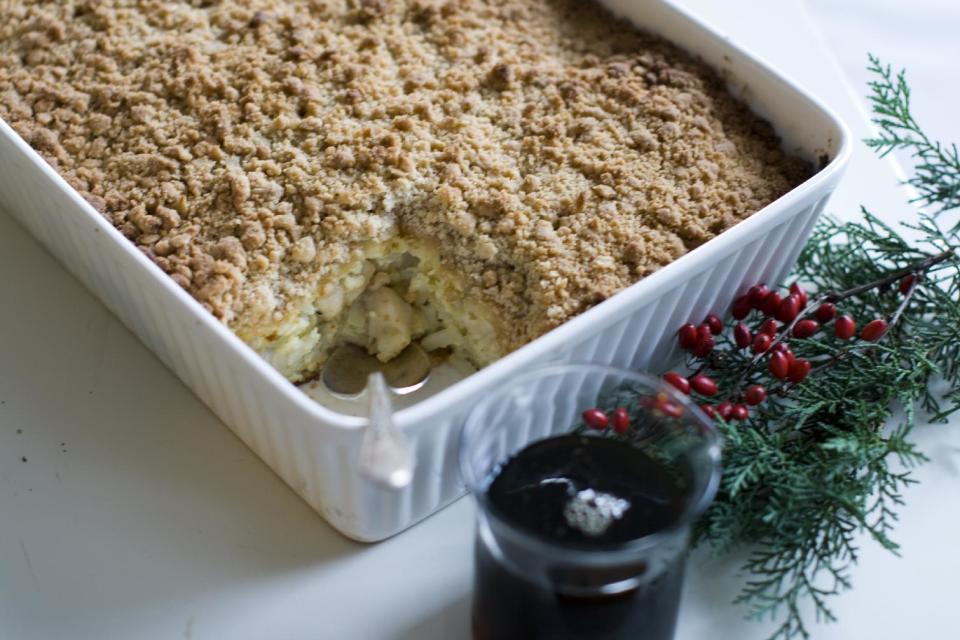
point(464, 173)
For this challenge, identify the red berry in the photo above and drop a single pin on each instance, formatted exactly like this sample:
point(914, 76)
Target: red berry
point(741, 307)
point(687, 336)
point(755, 395)
point(678, 381)
point(709, 411)
point(714, 323)
point(805, 328)
point(874, 330)
point(740, 412)
point(704, 346)
point(781, 347)
point(704, 385)
point(772, 303)
point(799, 370)
point(669, 408)
point(724, 409)
point(845, 327)
point(906, 283)
point(769, 327)
point(790, 357)
point(595, 419)
point(757, 294)
point(779, 365)
point(761, 343)
point(621, 420)
point(742, 335)
point(826, 312)
point(789, 309)
point(798, 291)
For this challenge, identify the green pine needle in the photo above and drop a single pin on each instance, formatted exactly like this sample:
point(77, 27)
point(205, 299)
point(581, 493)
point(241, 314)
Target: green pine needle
point(936, 167)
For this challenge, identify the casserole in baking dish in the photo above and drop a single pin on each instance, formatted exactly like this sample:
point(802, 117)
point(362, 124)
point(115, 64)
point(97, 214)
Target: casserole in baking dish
point(314, 448)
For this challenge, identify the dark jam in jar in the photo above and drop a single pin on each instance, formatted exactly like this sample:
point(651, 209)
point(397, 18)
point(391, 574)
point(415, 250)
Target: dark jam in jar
point(588, 494)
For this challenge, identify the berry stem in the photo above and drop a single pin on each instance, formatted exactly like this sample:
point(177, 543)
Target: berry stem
point(917, 267)
point(787, 330)
point(903, 303)
point(783, 389)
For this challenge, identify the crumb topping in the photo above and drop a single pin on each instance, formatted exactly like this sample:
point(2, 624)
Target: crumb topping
point(552, 154)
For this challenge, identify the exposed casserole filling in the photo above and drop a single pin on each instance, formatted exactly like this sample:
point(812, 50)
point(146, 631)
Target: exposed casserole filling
point(399, 293)
point(466, 173)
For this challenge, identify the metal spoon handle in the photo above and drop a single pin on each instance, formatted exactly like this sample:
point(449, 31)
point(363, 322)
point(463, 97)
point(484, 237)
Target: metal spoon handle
point(380, 411)
point(386, 456)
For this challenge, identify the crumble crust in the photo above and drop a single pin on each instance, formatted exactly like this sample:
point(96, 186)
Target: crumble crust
point(551, 154)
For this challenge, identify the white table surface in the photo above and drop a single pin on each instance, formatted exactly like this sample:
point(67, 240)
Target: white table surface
point(128, 511)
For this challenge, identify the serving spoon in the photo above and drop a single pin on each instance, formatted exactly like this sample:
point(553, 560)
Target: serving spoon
point(347, 370)
point(386, 456)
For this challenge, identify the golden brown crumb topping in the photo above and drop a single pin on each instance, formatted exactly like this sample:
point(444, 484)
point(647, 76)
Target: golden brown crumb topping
point(553, 154)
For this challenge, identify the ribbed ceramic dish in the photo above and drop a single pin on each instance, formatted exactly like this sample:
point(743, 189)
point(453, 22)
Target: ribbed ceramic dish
point(313, 448)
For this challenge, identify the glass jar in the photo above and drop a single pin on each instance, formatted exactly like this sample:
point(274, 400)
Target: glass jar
point(530, 585)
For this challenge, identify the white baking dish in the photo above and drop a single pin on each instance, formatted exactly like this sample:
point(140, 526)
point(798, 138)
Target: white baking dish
point(313, 448)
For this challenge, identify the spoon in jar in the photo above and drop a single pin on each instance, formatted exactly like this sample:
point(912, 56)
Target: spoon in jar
point(386, 456)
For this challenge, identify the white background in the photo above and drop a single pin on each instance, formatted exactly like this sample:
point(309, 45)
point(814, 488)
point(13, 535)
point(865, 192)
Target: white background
point(922, 36)
point(138, 515)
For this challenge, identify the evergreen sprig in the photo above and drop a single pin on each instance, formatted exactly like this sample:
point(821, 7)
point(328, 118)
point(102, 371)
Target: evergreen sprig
point(819, 462)
point(936, 175)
